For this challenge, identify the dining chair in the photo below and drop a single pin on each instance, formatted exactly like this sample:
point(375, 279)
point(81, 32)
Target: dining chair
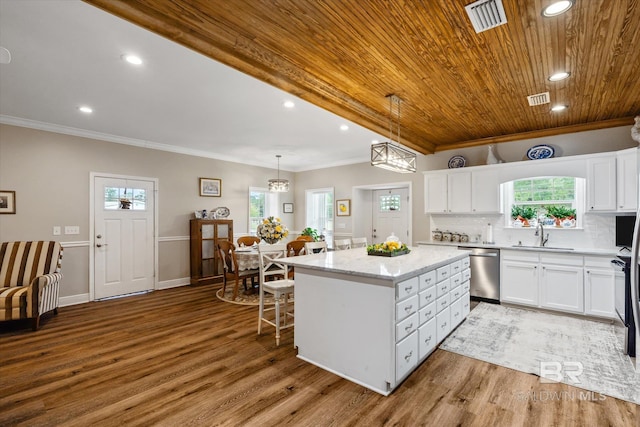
point(305, 238)
point(315, 247)
point(295, 248)
point(358, 242)
point(341, 244)
point(281, 287)
point(231, 271)
point(248, 240)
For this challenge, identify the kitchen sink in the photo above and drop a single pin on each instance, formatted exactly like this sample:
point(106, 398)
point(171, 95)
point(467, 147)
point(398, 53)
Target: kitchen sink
point(553, 248)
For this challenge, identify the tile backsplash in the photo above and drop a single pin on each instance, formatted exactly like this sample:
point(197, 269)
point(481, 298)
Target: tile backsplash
point(598, 231)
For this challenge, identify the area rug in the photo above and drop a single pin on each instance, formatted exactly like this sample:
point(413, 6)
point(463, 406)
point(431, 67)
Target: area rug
point(244, 298)
point(583, 353)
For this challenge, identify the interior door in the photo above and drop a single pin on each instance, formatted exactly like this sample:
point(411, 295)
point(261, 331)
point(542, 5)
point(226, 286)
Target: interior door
point(390, 214)
point(124, 236)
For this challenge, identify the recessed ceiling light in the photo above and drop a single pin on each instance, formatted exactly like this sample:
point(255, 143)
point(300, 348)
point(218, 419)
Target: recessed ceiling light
point(557, 8)
point(85, 109)
point(344, 127)
point(559, 76)
point(289, 104)
point(557, 108)
point(132, 59)
point(374, 141)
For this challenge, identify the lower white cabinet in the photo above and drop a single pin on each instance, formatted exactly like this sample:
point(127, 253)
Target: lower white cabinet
point(427, 338)
point(443, 324)
point(558, 281)
point(406, 355)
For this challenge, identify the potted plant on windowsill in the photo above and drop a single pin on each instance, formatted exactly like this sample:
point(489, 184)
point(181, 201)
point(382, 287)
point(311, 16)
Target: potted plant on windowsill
point(562, 216)
point(522, 215)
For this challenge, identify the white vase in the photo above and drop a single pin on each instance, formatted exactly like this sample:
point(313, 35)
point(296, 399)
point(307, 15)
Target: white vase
point(491, 158)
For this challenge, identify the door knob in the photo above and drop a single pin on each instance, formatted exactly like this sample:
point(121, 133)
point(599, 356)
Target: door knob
point(99, 236)
point(100, 245)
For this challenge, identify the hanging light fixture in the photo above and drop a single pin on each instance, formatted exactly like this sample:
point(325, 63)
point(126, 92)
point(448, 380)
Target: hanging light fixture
point(387, 155)
point(279, 185)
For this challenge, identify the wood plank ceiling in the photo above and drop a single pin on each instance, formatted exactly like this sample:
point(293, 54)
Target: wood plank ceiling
point(459, 88)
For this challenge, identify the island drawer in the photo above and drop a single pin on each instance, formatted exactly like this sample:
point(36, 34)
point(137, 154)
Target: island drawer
point(466, 274)
point(456, 293)
point(466, 305)
point(427, 279)
point(406, 355)
point(427, 296)
point(443, 273)
point(466, 286)
point(406, 326)
point(443, 287)
point(443, 302)
point(407, 307)
point(466, 262)
point(427, 313)
point(443, 324)
point(427, 338)
point(456, 280)
point(407, 288)
point(456, 313)
point(456, 267)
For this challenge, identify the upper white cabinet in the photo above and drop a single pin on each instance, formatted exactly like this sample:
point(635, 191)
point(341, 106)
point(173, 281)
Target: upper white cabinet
point(458, 191)
point(486, 192)
point(601, 183)
point(627, 180)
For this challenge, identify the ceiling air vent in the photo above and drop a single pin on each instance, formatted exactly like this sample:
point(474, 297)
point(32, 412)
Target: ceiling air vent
point(538, 99)
point(486, 14)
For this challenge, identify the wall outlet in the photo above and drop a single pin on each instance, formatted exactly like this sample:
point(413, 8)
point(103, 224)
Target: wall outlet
point(71, 229)
point(57, 230)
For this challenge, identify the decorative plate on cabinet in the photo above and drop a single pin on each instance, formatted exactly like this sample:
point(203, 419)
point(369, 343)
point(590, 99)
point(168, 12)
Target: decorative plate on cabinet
point(540, 152)
point(221, 212)
point(457, 162)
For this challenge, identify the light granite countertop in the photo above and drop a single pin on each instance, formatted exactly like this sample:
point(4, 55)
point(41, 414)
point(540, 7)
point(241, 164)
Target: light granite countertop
point(356, 262)
point(566, 250)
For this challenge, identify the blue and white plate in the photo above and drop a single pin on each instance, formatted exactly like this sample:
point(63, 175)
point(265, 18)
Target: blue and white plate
point(457, 162)
point(540, 152)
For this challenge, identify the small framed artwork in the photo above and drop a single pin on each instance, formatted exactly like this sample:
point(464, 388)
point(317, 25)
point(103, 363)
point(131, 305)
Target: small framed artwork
point(7, 202)
point(343, 207)
point(210, 187)
point(287, 207)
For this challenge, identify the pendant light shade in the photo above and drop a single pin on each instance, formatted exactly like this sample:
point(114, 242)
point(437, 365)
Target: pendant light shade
point(387, 155)
point(279, 185)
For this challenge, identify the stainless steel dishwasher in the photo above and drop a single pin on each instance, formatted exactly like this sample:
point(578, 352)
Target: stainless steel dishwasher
point(485, 274)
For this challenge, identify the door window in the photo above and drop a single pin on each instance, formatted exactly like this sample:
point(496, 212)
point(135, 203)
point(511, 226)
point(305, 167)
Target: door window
point(125, 198)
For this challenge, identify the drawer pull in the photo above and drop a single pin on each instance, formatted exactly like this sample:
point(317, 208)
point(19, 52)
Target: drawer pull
point(456, 294)
point(444, 273)
point(428, 340)
point(444, 325)
point(457, 314)
point(408, 327)
point(408, 356)
point(444, 288)
point(408, 289)
point(443, 303)
point(408, 308)
point(429, 313)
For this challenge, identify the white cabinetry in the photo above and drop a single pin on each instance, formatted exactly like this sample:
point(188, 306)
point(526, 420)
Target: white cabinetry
point(561, 282)
point(456, 191)
point(599, 287)
point(519, 277)
point(627, 180)
point(601, 183)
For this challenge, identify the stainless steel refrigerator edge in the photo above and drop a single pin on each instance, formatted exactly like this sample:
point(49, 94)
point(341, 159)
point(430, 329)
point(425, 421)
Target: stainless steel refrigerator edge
point(485, 274)
point(635, 298)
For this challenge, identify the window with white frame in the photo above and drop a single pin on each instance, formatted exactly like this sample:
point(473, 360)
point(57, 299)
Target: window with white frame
point(556, 201)
point(262, 204)
point(319, 211)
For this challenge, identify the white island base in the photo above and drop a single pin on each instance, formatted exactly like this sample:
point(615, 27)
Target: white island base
point(372, 320)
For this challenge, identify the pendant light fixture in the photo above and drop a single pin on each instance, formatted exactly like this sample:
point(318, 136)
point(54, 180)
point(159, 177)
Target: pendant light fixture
point(279, 185)
point(387, 155)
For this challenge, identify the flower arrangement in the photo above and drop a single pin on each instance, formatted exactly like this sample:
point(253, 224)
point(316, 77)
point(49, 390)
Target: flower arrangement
point(388, 248)
point(271, 230)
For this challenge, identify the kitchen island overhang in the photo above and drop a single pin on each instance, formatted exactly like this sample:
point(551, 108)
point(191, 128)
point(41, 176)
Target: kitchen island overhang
point(373, 319)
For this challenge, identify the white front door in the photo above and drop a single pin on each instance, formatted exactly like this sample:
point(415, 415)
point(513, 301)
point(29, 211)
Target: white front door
point(124, 243)
point(391, 214)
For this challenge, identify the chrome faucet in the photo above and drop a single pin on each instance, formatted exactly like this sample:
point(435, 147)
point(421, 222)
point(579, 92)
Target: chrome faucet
point(540, 232)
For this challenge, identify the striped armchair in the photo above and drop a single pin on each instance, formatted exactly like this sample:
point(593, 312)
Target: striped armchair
point(29, 280)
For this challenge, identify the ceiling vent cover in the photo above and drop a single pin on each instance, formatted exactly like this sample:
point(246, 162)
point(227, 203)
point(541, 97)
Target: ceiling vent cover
point(538, 99)
point(486, 14)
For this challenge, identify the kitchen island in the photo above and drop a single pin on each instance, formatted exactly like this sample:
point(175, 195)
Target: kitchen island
point(373, 319)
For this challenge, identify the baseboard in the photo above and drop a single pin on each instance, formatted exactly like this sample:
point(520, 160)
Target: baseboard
point(73, 300)
point(174, 283)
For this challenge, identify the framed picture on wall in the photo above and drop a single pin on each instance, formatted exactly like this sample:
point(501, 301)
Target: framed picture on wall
point(210, 187)
point(7, 202)
point(343, 207)
point(287, 207)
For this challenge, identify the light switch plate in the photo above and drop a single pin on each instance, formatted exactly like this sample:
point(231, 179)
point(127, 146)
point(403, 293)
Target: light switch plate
point(57, 230)
point(71, 229)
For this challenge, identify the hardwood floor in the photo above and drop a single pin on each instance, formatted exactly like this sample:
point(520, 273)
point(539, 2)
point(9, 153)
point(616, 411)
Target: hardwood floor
point(181, 357)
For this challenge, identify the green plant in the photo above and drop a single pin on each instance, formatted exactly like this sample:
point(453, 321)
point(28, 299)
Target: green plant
point(526, 212)
point(312, 232)
point(560, 212)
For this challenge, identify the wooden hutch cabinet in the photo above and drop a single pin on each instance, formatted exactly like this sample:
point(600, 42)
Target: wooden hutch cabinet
point(206, 266)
